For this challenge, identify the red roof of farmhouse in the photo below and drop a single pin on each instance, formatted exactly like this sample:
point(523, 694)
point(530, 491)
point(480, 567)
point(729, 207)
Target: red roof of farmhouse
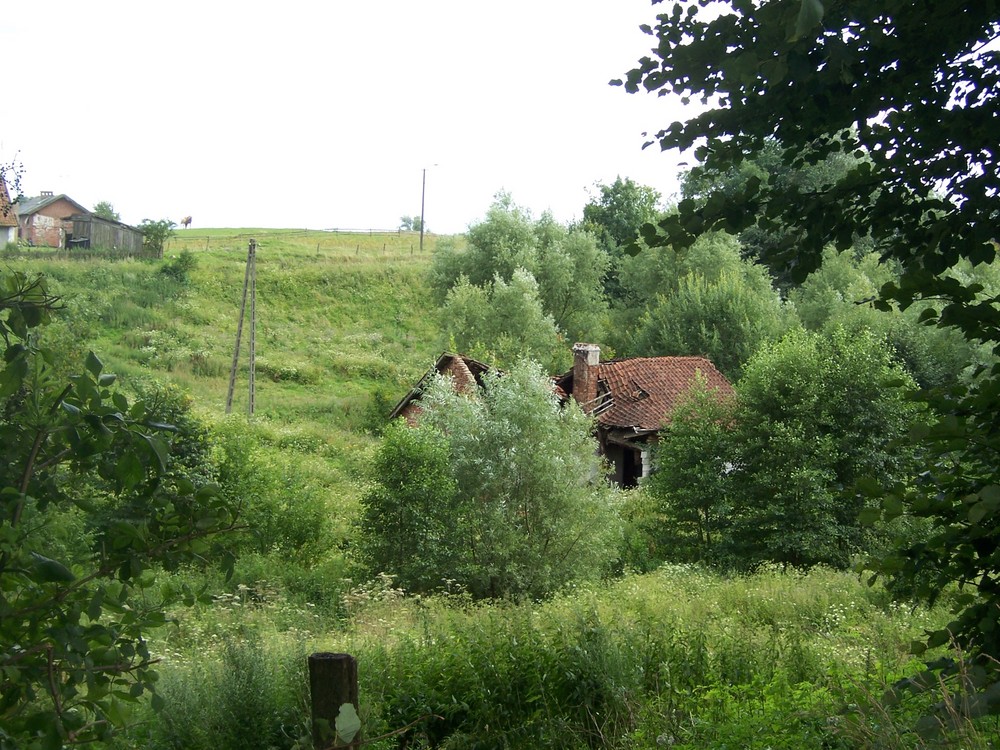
point(645, 390)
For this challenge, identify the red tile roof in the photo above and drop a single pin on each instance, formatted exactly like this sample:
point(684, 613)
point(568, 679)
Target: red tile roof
point(644, 390)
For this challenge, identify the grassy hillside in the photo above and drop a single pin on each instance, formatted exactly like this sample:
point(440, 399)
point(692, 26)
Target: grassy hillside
point(337, 316)
point(343, 321)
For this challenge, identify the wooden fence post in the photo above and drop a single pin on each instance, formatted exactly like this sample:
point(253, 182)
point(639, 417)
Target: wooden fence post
point(333, 681)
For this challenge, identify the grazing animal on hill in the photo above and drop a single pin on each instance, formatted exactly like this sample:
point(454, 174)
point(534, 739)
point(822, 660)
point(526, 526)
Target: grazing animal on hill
point(186, 222)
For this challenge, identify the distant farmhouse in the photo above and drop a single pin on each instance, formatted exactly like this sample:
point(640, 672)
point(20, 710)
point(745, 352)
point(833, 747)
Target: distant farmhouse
point(8, 217)
point(59, 221)
point(631, 399)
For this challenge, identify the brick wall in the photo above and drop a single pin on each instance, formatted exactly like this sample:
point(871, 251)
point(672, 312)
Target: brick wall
point(44, 231)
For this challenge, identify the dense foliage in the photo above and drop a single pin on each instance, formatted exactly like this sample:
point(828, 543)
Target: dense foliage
point(708, 301)
point(622, 207)
point(771, 478)
point(351, 324)
point(155, 234)
point(614, 217)
point(690, 491)
point(757, 242)
point(726, 319)
point(816, 414)
point(77, 594)
point(681, 658)
point(910, 90)
point(567, 264)
point(502, 321)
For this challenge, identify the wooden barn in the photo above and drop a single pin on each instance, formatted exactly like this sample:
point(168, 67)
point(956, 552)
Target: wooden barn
point(89, 230)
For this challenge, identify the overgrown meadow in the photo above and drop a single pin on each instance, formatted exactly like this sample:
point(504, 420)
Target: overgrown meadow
point(345, 324)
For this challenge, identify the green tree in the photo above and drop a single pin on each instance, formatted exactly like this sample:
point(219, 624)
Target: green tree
point(503, 322)
point(74, 616)
point(726, 319)
point(816, 414)
point(155, 235)
point(106, 211)
point(503, 242)
point(840, 293)
point(657, 271)
point(615, 217)
point(759, 241)
point(617, 214)
point(570, 269)
point(414, 498)
point(567, 264)
point(911, 90)
point(512, 489)
point(706, 300)
point(410, 223)
point(691, 486)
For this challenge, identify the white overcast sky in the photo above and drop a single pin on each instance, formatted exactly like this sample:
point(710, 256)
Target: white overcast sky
point(324, 114)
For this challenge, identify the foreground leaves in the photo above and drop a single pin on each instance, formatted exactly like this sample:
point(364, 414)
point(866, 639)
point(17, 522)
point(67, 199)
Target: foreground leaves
point(910, 91)
point(73, 616)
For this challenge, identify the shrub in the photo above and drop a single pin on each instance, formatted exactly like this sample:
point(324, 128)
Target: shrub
point(282, 513)
point(179, 268)
point(501, 491)
point(75, 621)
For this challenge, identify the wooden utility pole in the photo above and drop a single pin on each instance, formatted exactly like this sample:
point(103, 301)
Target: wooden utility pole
point(249, 285)
point(252, 253)
point(423, 192)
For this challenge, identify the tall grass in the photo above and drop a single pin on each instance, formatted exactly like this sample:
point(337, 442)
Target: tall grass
point(679, 658)
point(247, 698)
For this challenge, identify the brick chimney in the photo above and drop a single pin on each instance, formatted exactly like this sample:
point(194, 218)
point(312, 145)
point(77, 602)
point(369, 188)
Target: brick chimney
point(586, 367)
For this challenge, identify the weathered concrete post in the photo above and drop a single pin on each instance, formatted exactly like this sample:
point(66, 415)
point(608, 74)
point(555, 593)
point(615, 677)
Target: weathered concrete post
point(333, 681)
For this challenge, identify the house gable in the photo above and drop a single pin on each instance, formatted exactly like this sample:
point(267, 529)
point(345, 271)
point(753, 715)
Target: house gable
point(9, 228)
point(8, 216)
point(45, 219)
point(466, 372)
point(46, 204)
